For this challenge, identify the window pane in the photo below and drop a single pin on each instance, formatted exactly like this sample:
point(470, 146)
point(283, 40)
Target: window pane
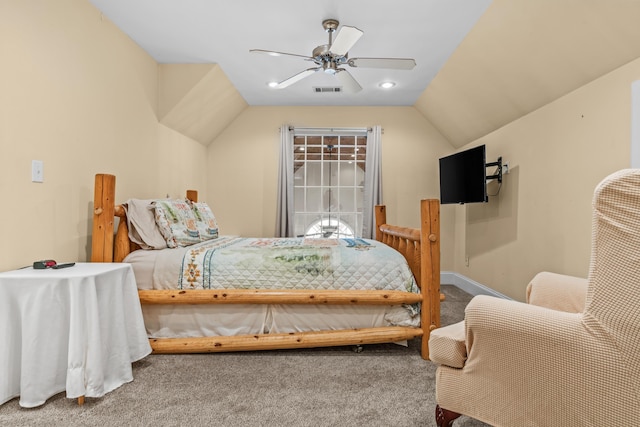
point(314, 140)
point(350, 224)
point(299, 155)
point(330, 173)
point(331, 140)
point(314, 200)
point(298, 173)
point(347, 154)
point(298, 199)
point(313, 174)
point(347, 140)
point(314, 153)
point(330, 200)
point(303, 222)
point(347, 200)
point(347, 174)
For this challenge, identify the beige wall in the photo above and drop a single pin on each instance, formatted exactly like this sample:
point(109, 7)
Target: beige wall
point(243, 164)
point(71, 83)
point(79, 95)
point(541, 219)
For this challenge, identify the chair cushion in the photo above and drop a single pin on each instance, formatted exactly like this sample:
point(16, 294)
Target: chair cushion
point(447, 345)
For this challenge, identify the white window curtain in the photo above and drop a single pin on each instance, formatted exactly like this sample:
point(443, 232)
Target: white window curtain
point(284, 215)
point(372, 181)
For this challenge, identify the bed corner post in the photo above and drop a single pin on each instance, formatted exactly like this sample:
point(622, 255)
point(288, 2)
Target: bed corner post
point(192, 195)
point(430, 270)
point(381, 218)
point(103, 214)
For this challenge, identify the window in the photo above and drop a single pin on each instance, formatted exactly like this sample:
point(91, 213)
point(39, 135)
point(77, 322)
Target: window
point(328, 165)
point(329, 176)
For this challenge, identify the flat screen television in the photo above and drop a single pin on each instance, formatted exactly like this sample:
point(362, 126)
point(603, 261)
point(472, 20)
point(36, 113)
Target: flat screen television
point(463, 177)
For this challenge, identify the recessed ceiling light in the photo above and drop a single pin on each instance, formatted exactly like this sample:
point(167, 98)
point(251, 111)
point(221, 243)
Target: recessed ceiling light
point(272, 84)
point(387, 85)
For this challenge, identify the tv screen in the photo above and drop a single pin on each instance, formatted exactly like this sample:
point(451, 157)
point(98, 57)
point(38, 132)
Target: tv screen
point(463, 177)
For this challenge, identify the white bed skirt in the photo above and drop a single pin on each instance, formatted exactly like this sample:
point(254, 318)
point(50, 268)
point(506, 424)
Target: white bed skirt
point(182, 321)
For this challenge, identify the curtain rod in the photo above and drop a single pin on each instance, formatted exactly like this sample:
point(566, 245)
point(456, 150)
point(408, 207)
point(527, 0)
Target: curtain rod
point(302, 129)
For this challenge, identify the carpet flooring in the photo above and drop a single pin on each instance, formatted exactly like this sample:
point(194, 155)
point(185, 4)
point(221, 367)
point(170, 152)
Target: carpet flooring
point(383, 385)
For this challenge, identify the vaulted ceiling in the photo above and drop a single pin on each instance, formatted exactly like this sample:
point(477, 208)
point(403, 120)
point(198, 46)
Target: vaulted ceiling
point(523, 54)
point(480, 63)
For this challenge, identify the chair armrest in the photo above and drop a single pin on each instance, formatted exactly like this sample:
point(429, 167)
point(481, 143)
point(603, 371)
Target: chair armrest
point(447, 345)
point(500, 330)
point(494, 328)
point(557, 292)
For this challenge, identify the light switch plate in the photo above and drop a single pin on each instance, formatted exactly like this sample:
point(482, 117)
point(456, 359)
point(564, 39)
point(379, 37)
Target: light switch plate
point(37, 171)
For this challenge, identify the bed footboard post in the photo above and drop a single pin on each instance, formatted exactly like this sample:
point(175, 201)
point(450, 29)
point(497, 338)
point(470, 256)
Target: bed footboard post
point(430, 270)
point(103, 214)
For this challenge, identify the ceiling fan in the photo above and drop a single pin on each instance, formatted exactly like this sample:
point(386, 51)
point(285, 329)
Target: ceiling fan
point(331, 57)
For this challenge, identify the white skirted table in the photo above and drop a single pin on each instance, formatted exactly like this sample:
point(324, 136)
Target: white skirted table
point(76, 329)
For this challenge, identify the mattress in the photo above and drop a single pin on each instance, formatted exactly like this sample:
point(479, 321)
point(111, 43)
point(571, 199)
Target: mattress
point(279, 263)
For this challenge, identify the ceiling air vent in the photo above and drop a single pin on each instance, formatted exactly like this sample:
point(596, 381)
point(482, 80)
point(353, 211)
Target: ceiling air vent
point(327, 89)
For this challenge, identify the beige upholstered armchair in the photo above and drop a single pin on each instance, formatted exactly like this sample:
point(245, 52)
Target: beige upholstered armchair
point(571, 356)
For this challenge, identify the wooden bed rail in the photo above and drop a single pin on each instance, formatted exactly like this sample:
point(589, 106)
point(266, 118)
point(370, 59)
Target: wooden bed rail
point(280, 341)
point(269, 296)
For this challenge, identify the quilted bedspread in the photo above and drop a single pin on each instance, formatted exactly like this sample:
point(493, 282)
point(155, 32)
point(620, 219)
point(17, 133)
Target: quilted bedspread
point(293, 263)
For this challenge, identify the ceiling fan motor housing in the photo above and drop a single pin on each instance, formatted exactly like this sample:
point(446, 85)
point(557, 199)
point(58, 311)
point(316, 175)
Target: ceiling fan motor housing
point(320, 51)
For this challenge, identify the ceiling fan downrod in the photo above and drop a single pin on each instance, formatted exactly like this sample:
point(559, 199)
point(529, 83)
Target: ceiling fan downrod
point(330, 26)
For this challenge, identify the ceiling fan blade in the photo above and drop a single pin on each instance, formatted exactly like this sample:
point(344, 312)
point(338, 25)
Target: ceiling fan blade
point(348, 82)
point(274, 53)
point(346, 38)
point(390, 63)
point(297, 77)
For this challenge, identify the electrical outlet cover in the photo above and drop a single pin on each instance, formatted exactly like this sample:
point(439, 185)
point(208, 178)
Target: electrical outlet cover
point(37, 171)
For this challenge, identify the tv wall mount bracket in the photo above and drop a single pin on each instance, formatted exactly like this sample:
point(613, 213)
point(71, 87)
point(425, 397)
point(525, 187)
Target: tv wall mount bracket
point(498, 174)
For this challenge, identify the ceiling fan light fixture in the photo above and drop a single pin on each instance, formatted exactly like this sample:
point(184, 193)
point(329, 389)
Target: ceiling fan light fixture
point(387, 85)
point(330, 67)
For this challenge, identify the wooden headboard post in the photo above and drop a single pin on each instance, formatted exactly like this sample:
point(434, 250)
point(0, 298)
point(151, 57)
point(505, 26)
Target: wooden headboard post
point(105, 247)
point(103, 214)
point(192, 195)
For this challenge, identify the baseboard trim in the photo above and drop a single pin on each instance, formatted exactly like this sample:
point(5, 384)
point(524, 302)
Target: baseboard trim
point(469, 286)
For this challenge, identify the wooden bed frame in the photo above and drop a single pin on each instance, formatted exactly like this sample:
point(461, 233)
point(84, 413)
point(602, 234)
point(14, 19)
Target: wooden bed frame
point(420, 247)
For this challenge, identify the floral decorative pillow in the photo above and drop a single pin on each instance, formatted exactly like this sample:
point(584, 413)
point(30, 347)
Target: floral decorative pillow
point(205, 221)
point(176, 222)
